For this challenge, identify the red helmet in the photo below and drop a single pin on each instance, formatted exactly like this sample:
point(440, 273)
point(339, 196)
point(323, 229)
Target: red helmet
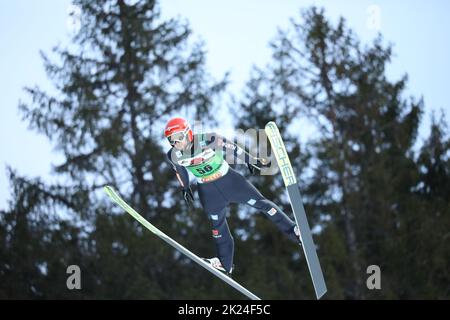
point(177, 129)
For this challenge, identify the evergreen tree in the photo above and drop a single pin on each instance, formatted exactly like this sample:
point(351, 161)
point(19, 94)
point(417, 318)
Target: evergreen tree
point(430, 222)
point(126, 74)
point(362, 192)
point(36, 245)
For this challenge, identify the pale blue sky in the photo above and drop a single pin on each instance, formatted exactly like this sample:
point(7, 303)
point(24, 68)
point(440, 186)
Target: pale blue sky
point(236, 34)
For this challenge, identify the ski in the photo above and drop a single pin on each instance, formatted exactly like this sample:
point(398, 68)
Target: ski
point(117, 199)
point(290, 181)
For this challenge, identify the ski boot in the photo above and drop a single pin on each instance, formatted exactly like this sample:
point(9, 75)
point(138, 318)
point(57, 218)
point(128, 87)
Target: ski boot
point(216, 264)
point(297, 233)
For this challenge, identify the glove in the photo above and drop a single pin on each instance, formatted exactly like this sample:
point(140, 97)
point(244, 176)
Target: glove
point(260, 162)
point(188, 196)
point(252, 168)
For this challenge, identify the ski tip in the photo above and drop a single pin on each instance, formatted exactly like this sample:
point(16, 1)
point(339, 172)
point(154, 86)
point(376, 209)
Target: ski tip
point(270, 124)
point(108, 189)
point(271, 128)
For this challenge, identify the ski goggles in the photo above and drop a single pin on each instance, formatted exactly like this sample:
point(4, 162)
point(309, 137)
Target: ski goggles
point(177, 137)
